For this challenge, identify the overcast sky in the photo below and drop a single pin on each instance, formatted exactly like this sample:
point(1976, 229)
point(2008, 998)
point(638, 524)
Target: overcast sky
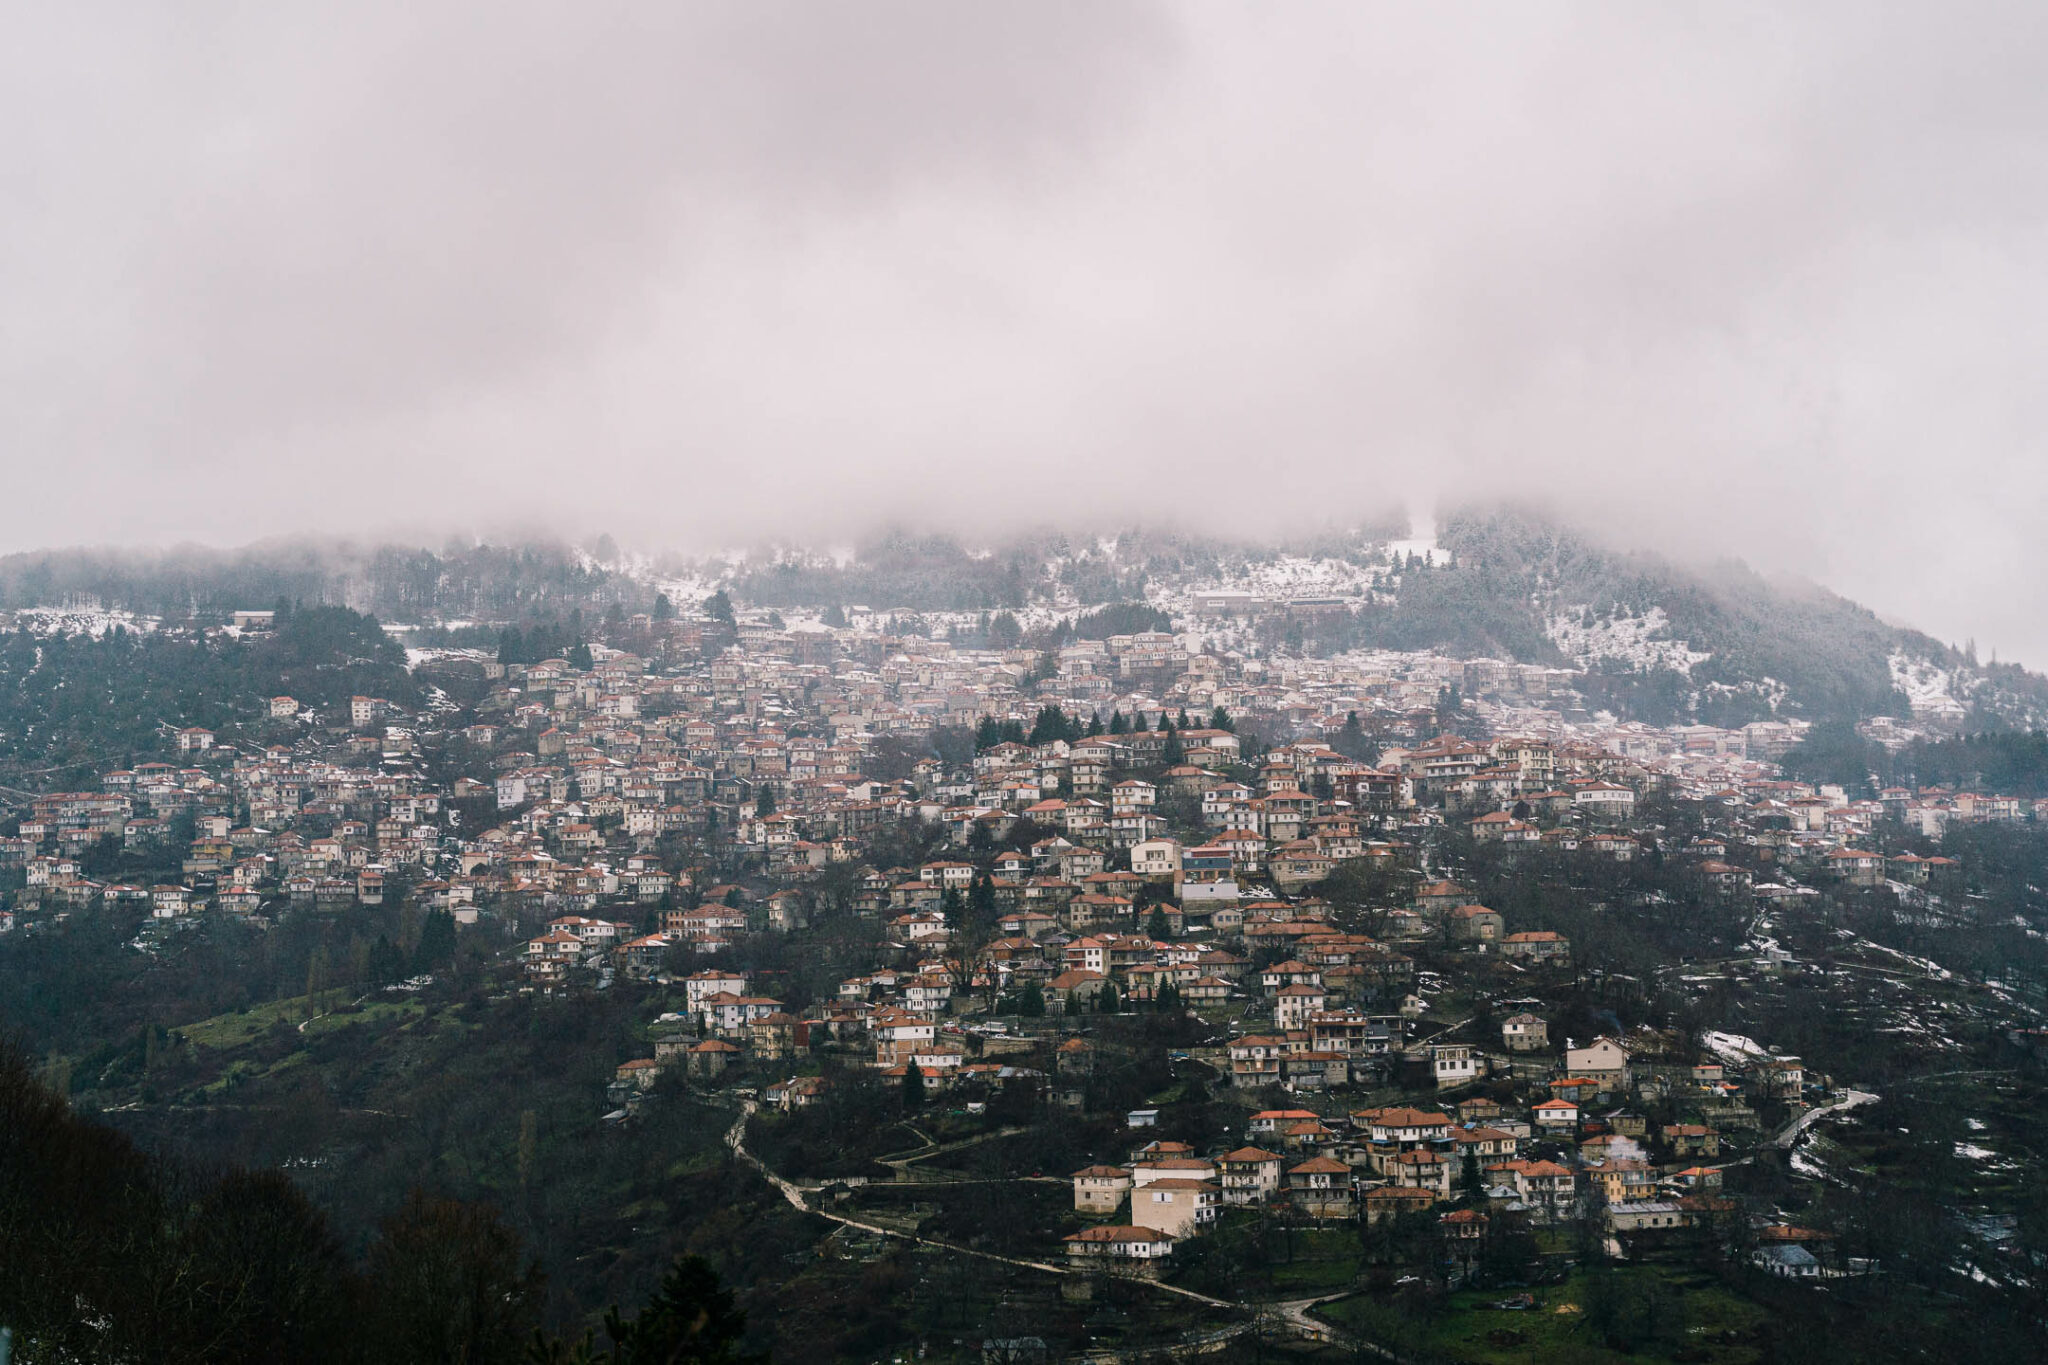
point(1768, 281)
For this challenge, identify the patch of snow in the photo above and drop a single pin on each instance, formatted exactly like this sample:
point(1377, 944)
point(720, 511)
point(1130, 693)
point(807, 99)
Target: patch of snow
point(1426, 550)
point(1638, 641)
point(1928, 965)
point(1806, 1164)
point(1929, 689)
point(1732, 1047)
point(415, 656)
point(1970, 1151)
point(80, 620)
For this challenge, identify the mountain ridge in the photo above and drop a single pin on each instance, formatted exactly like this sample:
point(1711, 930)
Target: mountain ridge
point(1658, 640)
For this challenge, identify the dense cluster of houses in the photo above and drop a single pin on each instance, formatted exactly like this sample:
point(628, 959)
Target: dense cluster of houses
point(641, 815)
point(1576, 1147)
point(761, 742)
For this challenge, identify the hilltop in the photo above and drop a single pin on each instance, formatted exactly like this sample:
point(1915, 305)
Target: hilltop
point(1658, 641)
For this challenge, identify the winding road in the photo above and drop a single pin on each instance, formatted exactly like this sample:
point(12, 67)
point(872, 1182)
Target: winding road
point(1790, 1133)
point(736, 1139)
point(1293, 1313)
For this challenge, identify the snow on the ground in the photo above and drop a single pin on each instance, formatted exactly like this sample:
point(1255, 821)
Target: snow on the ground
point(1970, 1151)
point(1925, 684)
point(1732, 1047)
point(415, 656)
point(1638, 641)
point(1925, 964)
point(1428, 551)
point(1803, 1162)
point(1281, 577)
point(93, 621)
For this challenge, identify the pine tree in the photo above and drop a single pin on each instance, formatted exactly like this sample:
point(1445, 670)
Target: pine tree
point(1219, 719)
point(386, 964)
point(436, 947)
point(664, 610)
point(1050, 724)
point(913, 1086)
point(1354, 743)
point(691, 1320)
point(1117, 725)
point(1032, 1003)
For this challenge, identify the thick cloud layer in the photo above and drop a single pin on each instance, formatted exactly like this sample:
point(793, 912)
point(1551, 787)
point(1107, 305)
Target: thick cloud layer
point(1766, 281)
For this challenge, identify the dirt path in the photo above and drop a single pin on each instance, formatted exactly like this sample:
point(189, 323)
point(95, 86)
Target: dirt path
point(901, 1163)
point(736, 1139)
point(1790, 1134)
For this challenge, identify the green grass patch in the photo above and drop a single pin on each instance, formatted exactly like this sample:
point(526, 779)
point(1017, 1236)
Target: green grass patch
point(373, 1013)
point(233, 1030)
point(1323, 1275)
point(1697, 1320)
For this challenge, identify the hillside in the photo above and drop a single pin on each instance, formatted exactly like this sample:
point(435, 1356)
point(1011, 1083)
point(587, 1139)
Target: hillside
point(1659, 642)
point(1740, 645)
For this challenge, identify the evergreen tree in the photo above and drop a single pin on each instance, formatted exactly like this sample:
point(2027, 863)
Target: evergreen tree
point(579, 657)
point(691, 1320)
point(1175, 752)
point(664, 610)
point(764, 801)
point(511, 646)
point(1156, 927)
point(1032, 1003)
point(436, 947)
point(1219, 719)
point(718, 607)
point(1052, 724)
point(987, 734)
point(1185, 723)
point(913, 1086)
point(386, 964)
point(1354, 743)
point(1117, 726)
point(835, 616)
point(1094, 725)
point(1169, 999)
